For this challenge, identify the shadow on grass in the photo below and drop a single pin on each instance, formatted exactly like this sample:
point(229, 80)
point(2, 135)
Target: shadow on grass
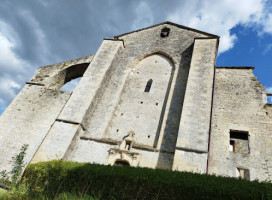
point(107, 182)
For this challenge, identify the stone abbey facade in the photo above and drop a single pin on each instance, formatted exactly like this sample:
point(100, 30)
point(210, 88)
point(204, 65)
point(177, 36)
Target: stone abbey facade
point(149, 98)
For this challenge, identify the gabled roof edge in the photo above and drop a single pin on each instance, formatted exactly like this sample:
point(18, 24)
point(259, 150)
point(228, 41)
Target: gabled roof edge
point(173, 24)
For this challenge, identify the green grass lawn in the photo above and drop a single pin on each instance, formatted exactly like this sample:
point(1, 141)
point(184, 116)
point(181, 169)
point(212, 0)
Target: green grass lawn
point(5, 195)
point(71, 180)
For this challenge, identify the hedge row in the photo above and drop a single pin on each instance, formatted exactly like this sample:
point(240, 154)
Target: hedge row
point(106, 182)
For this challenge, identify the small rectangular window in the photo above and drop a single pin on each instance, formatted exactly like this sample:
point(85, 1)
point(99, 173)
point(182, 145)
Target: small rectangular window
point(238, 142)
point(165, 32)
point(243, 173)
point(240, 135)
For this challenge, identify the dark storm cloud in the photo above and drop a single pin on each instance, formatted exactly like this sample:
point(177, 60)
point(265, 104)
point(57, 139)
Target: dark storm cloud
point(43, 32)
point(52, 31)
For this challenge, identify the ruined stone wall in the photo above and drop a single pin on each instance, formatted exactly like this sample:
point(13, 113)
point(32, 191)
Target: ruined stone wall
point(69, 122)
point(55, 76)
point(27, 121)
point(29, 117)
point(240, 109)
point(90, 123)
point(105, 116)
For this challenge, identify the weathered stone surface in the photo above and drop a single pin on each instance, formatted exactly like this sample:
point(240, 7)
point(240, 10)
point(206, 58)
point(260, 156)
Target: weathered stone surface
point(141, 111)
point(53, 76)
point(146, 101)
point(190, 161)
point(196, 113)
point(93, 79)
point(56, 142)
point(27, 120)
point(240, 104)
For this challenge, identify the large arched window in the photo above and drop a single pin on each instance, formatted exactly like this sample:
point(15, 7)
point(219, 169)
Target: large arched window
point(142, 103)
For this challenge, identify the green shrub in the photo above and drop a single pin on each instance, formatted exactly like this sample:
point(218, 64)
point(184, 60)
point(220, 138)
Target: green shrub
point(106, 182)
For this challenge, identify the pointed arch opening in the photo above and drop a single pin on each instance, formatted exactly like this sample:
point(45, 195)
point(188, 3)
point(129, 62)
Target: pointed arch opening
point(72, 76)
point(70, 85)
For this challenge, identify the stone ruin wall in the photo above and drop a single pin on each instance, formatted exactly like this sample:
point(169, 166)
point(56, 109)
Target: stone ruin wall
point(240, 105)
point(57, 118)
point(171, 125)
point(29, 117)
point(156, 145)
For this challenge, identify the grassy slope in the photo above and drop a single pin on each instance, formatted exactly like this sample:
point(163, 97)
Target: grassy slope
point(69, 180)
point(108, 182)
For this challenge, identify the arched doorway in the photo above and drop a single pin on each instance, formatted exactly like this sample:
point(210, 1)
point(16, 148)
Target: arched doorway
point(121, 163)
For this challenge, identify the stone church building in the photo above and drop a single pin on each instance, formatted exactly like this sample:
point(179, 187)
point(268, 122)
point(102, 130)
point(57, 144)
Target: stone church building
point(148, 98)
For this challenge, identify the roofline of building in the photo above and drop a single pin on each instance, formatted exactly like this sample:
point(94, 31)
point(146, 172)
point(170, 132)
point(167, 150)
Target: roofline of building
point(235, 67)
point(66, 61)
point(173, 24)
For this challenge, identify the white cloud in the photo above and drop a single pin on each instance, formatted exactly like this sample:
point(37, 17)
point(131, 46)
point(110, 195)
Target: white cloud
point(269, 90)
point(9, 90)
point(227, 41)
point(44, 2)
point(267, 48)
point(267, 23)
point(40, 37)
point(43, 31)
point(144, 16)
point(13, 69)
point(219, 17)
point(7, 57)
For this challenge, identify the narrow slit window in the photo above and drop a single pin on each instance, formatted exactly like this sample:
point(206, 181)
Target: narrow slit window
point(148, 85)
point(232, 146)
point(128, 145)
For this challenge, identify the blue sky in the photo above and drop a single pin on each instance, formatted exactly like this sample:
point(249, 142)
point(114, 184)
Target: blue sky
point(250, 49)
point(35, 33)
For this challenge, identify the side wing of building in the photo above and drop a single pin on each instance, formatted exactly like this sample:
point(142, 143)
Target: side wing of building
point(241, 137)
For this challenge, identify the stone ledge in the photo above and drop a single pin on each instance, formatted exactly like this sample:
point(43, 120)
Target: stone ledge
point(34, 83)
point(235, 67)
point(115, 142)
point(191, 150)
